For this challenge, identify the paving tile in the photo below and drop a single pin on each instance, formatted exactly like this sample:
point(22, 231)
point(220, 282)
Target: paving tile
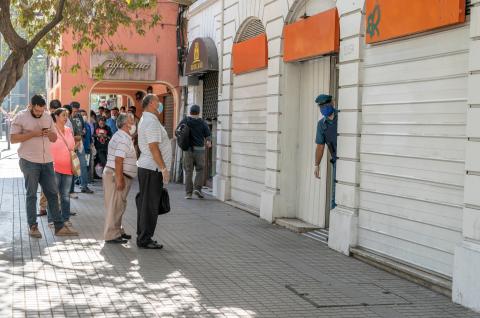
point(217, 261)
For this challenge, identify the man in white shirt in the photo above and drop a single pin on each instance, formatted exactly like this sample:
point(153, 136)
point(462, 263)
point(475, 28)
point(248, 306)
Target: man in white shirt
point(117, 178)
point(153, 164)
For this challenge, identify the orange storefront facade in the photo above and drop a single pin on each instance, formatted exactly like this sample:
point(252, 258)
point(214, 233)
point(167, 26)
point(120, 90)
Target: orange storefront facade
point(153, 57)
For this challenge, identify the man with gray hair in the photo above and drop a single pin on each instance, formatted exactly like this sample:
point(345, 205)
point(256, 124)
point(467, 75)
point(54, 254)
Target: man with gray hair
point(117, 178)
point(153, 170)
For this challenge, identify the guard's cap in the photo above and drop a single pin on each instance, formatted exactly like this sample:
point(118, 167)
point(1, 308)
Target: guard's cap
point(323, 99)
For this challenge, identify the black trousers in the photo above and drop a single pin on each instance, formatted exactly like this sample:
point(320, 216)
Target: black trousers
point(148, 203)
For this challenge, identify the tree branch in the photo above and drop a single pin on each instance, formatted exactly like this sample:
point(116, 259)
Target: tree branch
point(47, 28)
point(14, 41)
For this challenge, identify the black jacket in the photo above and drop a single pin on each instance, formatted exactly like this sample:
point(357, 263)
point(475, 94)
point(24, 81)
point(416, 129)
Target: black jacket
point(199, 130)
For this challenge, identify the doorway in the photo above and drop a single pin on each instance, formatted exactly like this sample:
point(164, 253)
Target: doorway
point(313, 196)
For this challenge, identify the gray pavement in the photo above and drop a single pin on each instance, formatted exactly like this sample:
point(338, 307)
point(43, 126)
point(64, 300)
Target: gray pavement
point(217, 261)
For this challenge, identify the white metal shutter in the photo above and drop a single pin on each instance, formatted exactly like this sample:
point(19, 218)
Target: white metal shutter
point(249, 123)
point(311, 192)
point(413, 148)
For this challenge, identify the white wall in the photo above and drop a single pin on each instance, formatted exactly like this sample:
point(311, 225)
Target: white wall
point(344, 219)
point(466, 278)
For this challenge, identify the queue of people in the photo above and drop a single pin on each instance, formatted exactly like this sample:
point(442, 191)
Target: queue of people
point(59, 143)
point(35, 130)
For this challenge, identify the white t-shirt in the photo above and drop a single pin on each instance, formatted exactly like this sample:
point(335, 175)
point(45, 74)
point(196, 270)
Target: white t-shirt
point(151, 130)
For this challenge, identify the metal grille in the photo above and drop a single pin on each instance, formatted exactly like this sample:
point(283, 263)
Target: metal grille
point(252, 29)
point(469, 7)
point(169, 111)
point(210, 95)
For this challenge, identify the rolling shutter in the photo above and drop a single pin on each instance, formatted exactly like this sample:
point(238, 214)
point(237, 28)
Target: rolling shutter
point(169, 112)
point(413, 146)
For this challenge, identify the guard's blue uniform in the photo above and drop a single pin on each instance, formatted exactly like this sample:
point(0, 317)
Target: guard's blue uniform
point(327, 134)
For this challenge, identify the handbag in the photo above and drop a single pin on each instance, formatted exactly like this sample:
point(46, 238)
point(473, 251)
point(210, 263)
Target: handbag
point(76, 170)
point(164, 202)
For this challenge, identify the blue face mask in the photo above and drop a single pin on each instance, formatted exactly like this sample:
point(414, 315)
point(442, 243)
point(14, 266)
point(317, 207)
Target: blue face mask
point(160, 107)
point(326, 110)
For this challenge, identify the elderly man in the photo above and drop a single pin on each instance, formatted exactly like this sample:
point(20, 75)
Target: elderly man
point(153, 164)
point(117, 178)
point(33, 128)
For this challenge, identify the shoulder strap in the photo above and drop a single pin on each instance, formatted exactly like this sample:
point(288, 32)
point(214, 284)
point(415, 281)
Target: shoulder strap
point(61, 135)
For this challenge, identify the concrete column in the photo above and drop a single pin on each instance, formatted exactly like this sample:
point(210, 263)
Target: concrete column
point(344, 218)
point(274, 22)
point(466, 275)
point(222, 180)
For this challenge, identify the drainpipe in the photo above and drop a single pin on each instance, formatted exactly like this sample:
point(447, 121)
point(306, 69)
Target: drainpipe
point(220, 88)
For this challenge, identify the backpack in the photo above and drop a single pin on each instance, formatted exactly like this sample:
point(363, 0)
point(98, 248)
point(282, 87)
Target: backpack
point(183, 133)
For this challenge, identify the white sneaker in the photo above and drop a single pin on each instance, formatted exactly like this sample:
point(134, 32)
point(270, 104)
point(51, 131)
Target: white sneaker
point(73, 195)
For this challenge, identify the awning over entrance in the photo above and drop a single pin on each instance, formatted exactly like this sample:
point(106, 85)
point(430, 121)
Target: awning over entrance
point(311, 37)
point(202, 57)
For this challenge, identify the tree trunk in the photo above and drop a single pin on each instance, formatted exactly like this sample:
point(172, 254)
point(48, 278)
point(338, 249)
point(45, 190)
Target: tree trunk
point(12, 71)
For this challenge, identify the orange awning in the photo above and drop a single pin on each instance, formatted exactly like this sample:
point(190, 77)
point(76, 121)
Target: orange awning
point(313, 36)
point(386, 19)
point(250, 55)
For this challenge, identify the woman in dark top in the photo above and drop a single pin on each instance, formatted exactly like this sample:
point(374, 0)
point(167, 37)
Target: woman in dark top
point(101, 137)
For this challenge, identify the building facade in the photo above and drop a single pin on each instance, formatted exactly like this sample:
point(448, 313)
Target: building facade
point(407, 174)
point(142, 62)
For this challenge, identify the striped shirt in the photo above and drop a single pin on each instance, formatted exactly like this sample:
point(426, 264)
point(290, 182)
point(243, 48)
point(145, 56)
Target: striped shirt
point(150, 130)
point(121, 145)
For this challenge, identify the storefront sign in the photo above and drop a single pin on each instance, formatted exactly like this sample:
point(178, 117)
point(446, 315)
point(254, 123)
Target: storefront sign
point(202, 57)
point(386, 19)
point(311, 37)
point(250, 55)
point(123, 66)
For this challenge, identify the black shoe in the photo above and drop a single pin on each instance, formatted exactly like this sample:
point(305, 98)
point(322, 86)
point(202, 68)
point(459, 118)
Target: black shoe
point(73, 213)
point(152, 246)
point(42, 213)
point(118, 240)
point(87, 190)
point(126, 236)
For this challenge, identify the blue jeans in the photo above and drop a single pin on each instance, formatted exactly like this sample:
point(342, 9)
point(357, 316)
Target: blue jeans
point(43, 174)
point(63, 182)
point(83, 169)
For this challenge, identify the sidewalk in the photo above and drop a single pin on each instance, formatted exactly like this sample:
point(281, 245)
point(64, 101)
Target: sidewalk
point(217, 262)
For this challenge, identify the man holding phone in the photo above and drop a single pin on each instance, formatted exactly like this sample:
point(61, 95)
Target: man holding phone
point(33, 128)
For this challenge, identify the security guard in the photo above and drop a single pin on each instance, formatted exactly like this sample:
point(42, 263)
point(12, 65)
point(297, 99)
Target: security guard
point(326, 134)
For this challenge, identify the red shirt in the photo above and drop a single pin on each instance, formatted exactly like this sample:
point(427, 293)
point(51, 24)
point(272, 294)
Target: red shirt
point(61, 149)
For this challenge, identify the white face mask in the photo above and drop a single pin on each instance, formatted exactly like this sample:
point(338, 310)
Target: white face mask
point(85, 118)
point(114, 117)
point(132, 130)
